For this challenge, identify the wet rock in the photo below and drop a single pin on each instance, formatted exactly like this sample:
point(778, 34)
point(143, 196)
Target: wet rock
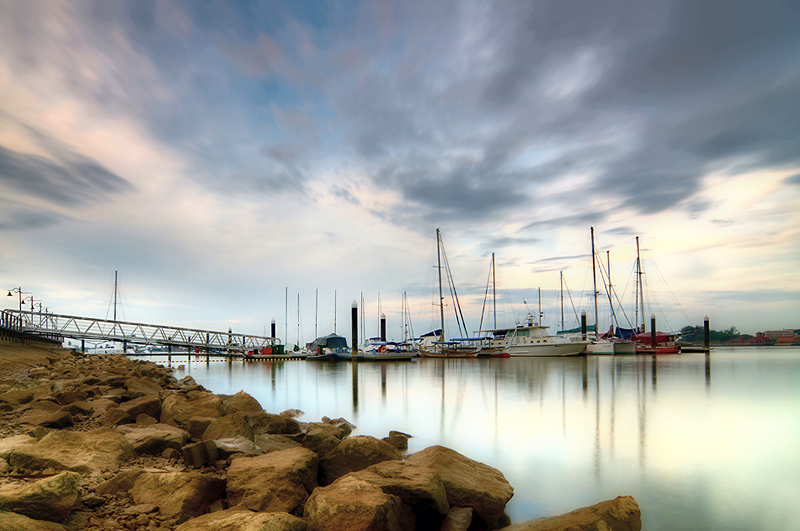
point(277, 481)
point(468, 483)
point(352, 454)
point(50, 498)
point(620, 514)
point(396, 441)
point(321, 439)
point(178, 495)
point(236, 519)
point(344, 427)
point(83, 452)
point(352, 504)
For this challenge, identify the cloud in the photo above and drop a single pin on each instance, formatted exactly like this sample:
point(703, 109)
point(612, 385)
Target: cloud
point(65, 177)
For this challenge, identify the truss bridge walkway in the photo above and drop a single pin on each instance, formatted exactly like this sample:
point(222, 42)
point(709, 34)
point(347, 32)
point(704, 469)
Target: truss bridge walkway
point(58, 327)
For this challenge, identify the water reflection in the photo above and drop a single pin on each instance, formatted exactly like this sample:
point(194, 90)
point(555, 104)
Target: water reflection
point(571, 432)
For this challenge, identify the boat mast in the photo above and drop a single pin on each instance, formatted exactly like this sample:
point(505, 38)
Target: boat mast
point(640, 292)
point(316, 311)
point(562, 299)
point(115, 296)
point(298, 321)
point(439, 266)
point(286, 315)
point(594, 285)
point(540, 307)
point(494, 294)
point(334, 311)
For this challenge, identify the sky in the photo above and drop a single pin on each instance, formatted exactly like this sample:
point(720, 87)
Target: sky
point(229, 159)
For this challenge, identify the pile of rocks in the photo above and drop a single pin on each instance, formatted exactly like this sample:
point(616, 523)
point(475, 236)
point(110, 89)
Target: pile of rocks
point(106, 442)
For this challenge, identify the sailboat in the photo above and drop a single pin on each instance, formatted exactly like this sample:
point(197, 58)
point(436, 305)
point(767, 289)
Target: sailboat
point(457, 347)
point(652, 342)
point(608, 343)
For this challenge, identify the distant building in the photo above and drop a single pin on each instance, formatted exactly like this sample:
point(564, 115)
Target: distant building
point(774, 334)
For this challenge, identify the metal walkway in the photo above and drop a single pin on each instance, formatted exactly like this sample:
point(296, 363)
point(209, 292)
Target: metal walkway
point(71, 326)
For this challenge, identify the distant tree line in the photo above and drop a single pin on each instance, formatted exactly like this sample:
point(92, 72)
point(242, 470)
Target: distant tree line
point(694, 334)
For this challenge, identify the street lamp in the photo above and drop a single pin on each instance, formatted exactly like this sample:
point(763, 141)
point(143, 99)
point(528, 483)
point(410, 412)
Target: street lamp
point(16, 290)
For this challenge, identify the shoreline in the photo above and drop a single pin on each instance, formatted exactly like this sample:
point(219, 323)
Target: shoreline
point(148, 429)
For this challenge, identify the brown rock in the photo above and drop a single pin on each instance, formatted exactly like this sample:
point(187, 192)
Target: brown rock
point(236, 519)
point(142, 387)
point(178, 409)
point(147, 404)
point(281, 481)
point(352, 454)
point(417, 486)
point(458, 519)
point(320, 439)
point(16, 396)
point(241, 402)
point(292, 413)
point(227, 427)
point(144, 420)
point(121, 483)
point(201, 453)
point(397, 441)
point(18, 441)
point(55, 420)
point(272, 443)
point(154, 439)
point(178, 495)
point(468, 483)
point(81, 407)
point(620, 514)
point(84, 452)
point(17, 522)
point(51, 498)
point(68, 397)
point(352, 504)
point(236, 445)
point(114, 416)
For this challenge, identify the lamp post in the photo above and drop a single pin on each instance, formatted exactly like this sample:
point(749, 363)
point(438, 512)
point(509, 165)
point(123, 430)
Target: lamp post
point(16, 290)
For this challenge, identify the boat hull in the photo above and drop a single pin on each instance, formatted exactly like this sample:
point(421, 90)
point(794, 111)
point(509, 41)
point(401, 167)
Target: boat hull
point(575, 348)
point(447, 353)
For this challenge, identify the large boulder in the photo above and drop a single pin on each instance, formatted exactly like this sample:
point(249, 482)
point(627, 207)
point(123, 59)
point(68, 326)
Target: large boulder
point(52, 498)
point(237, 519)
point(620, 514)
point(320, 440)
point(242, 402)
point(154, 439)
point(17, 522)
point(417, 486)
point(352, 454)
point(468, 483)
point(178, 495)
point(227, 427)
point(121, 483)
point(179, 410)
point(352, 504)
point(16, 396)
point(277, 481)
point(148, 404)
point(8, 444)
point(236, 445)
point(83, 452)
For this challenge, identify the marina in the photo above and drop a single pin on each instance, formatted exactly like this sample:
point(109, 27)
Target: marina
point(701, 442)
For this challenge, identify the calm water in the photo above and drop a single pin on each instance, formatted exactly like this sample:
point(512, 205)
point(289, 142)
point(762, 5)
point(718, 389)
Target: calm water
point(700, 442)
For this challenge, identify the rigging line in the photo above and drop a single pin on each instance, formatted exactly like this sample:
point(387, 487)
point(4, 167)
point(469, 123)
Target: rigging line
point(569, 294)
point(485, 297)
point(454, 295)
point(674, 298)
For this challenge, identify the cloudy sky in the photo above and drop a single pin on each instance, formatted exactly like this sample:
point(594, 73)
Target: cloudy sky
point(221, 155)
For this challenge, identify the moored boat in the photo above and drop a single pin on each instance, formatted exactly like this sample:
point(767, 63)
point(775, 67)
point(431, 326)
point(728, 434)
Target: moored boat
point(532, 339)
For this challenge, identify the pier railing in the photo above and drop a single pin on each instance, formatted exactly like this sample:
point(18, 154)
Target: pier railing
point(75, 327)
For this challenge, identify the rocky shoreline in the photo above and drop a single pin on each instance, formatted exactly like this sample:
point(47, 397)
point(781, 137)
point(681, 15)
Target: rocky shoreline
point(103, 442)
